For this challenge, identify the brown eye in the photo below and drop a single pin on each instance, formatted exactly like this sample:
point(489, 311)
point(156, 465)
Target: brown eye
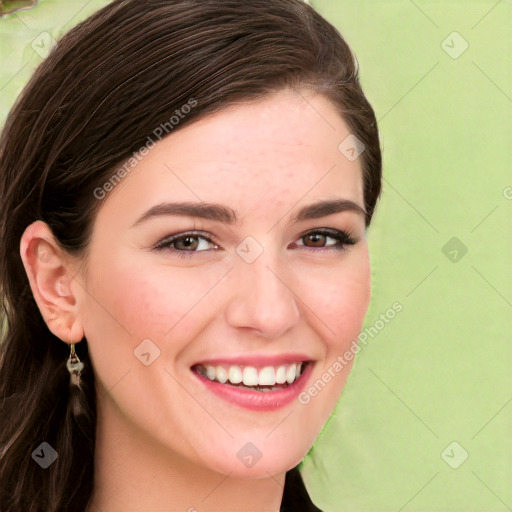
point(326, 238)
point(314, 240)
point(187, 243)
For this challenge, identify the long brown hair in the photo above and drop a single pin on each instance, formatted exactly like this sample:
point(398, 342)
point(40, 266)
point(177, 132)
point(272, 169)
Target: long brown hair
point(90, 105)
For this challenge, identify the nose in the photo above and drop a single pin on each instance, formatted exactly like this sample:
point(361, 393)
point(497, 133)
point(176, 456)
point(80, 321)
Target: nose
point(261, 299)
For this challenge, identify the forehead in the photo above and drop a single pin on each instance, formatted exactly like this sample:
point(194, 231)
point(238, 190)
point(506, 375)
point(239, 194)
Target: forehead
point(274, 152)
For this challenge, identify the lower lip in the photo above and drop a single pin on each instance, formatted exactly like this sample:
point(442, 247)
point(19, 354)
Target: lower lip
point(258, 400)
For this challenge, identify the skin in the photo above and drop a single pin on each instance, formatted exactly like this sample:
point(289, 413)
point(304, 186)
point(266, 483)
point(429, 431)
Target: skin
point(163, 441)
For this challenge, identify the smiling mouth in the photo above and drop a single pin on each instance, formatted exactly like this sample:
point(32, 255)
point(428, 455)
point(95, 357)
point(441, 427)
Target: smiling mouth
point(264, 379)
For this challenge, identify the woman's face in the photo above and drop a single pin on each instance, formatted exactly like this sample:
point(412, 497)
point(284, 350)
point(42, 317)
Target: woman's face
point(213, 259)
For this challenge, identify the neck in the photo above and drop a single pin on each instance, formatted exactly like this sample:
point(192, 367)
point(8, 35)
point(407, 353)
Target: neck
point(132, 474)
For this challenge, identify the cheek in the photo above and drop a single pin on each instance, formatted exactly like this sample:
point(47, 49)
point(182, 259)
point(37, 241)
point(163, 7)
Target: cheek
point(351, 304)
point(131, 301)
point(340, 296)
point(149, 301)
point(341, 305)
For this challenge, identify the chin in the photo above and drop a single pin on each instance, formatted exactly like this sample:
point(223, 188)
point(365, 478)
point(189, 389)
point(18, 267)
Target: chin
point(258, 458)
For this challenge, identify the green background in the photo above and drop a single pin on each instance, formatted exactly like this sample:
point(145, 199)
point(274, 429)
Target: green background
point(440, 371)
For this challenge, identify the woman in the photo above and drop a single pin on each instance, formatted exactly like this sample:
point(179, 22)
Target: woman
point(186, 188)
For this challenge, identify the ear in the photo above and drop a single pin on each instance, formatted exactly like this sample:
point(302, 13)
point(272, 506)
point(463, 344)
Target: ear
point(50, 273)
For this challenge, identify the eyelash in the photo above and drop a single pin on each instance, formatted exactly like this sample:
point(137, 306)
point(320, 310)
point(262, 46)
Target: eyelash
point(344, 238)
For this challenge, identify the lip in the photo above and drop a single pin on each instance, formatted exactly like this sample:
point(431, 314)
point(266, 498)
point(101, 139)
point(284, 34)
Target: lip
point(256, 360)
point(258, 400)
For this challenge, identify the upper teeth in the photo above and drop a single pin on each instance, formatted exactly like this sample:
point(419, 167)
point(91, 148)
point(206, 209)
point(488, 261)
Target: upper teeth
point(252, 376)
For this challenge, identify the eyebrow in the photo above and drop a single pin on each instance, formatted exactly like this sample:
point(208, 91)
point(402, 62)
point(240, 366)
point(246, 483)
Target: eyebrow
point(220, 213)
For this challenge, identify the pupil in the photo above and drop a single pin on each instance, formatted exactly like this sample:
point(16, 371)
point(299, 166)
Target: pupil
point(317, 239)
point(188, 242)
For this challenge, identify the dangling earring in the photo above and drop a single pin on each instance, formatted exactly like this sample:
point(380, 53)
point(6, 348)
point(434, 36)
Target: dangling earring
point(75, 366)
